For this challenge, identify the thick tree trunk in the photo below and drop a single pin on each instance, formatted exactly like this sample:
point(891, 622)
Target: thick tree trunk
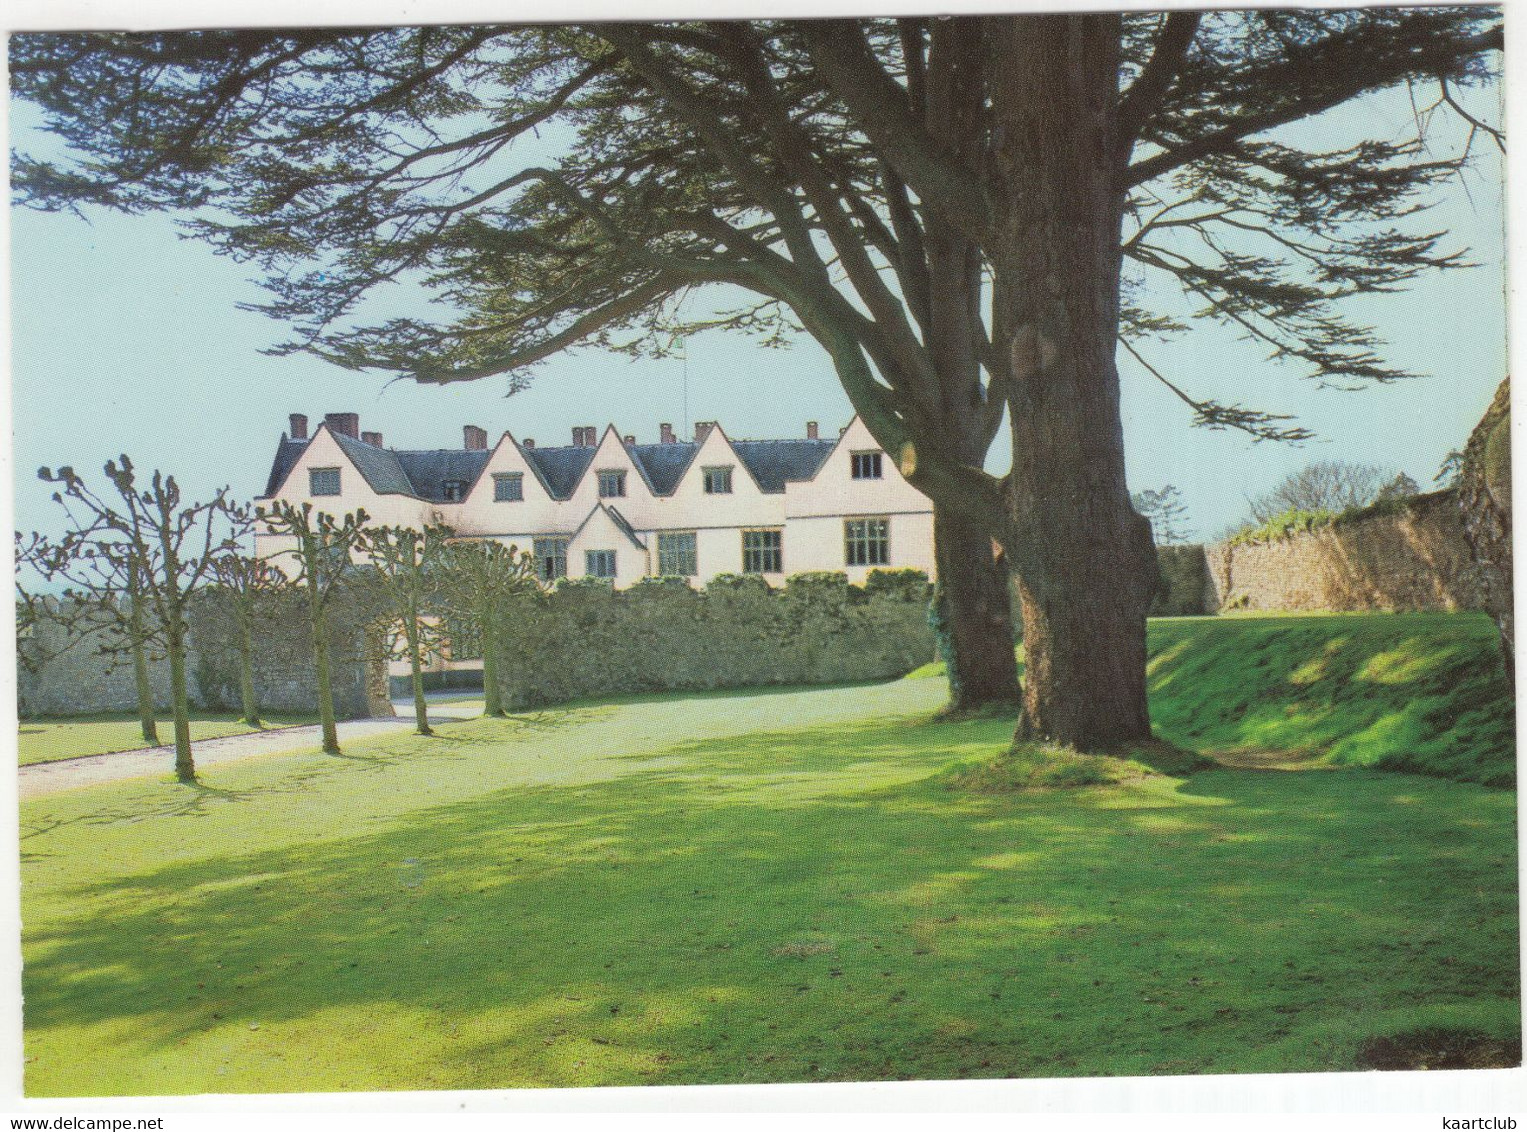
point(1084, 557)
point(247, 697)
point(975, 614)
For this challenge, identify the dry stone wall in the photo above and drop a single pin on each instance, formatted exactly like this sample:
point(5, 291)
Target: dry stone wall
point(1409, 556)
point(81, 675)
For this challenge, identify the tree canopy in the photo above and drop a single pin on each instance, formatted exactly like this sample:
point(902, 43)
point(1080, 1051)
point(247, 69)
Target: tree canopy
point(967, 213)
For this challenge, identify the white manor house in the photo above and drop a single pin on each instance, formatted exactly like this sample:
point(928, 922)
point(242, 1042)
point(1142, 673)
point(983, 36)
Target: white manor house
point(607, 507)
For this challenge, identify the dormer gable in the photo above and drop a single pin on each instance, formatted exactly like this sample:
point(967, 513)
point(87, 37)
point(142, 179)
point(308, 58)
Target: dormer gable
point(715, 452)
point(363, 469)
point(509, 459)
point(614, 473)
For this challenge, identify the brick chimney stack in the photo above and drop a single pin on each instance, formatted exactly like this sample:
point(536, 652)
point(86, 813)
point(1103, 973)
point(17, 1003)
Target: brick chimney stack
point(347, 424)
point(527, 443)
point(590, 436)
point(299, 426)
point(630, 441)
point(667, 431)
point(811, 430)
point(474, 439)
point(372, 438)
point(702, 430)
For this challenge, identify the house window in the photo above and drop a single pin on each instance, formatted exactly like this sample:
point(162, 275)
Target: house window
point(551, 558)
point(508, 487)
point(867, 542)
point(866, 466)
point(763, 552)
point(676, 555)
point(323, 481)
point(453, 491)
point(718, 481)
point(599, 563)
point(612, 485)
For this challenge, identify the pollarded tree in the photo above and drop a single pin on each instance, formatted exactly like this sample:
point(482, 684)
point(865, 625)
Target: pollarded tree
point(101, 600)
point(406, 567)
point(482, 579)
point(251, 586)
point(164, 550)
point(966, 213)
point(319, 561)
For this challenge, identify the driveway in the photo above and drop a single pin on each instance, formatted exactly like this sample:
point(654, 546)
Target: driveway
point(69, 774)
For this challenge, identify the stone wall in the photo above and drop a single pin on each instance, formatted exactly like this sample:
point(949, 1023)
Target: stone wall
point(83, 675)
point(586, 639)
point(1406, 556)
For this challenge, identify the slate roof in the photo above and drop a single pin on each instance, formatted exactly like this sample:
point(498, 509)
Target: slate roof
point(773, 462)
point(423, 474)
point(663, 464)
point(561, 468)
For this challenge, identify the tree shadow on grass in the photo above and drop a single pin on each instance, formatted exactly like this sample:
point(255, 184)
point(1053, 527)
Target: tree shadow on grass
point(803, 905)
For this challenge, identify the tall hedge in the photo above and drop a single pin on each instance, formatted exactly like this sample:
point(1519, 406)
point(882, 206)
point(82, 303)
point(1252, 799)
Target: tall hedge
point(1184, 582)
point(585, 638)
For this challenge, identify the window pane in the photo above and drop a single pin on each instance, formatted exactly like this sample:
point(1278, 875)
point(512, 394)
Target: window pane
point(599, 563)
point(866, 466)
point(551, 558)
point(718, 481)
point(612, 484)
point(508, 487)
point(867, 542)
point(323, 481)
point(762, 552)
point(676, 555)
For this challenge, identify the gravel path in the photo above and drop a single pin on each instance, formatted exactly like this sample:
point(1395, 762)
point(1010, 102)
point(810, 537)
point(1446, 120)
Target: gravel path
point(70, 774)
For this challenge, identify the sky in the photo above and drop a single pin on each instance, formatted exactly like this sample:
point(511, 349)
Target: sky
point(126, 337)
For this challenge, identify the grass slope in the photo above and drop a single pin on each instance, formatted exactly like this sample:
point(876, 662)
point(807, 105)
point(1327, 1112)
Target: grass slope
point(49, 740)
point(1420, 692)
point(745, 888)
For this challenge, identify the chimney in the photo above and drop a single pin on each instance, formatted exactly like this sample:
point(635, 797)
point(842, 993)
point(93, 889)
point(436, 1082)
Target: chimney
point(372, 438)
point(668, 437)
point(630, 441)
point(474, 439)
point(811, 430)
point(527, 443)
point(590, 437)
point(842, 430)
point(347, 424)
point(702, 430)
point(299, 426)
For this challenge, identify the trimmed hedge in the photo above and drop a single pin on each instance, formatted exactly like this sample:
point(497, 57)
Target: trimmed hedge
point(585, 638)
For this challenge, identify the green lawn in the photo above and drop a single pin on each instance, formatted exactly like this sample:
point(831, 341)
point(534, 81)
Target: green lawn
point(48, 740)
point(749, 887)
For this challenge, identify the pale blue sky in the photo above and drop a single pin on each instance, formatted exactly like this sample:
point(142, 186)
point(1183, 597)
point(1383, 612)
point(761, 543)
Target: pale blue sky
point(126, 337)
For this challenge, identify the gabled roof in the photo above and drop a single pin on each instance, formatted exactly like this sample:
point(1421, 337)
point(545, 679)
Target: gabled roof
point(663, 464)
point(616, 517)
point(774, 462)
point(561, 468)
point(424, 473)
point(429, 471)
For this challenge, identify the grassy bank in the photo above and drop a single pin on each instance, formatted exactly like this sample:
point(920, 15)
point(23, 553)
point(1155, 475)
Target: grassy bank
point(750, 887)
point(1420, 692)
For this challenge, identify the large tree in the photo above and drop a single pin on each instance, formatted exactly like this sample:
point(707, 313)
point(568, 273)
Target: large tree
point(966, 213)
